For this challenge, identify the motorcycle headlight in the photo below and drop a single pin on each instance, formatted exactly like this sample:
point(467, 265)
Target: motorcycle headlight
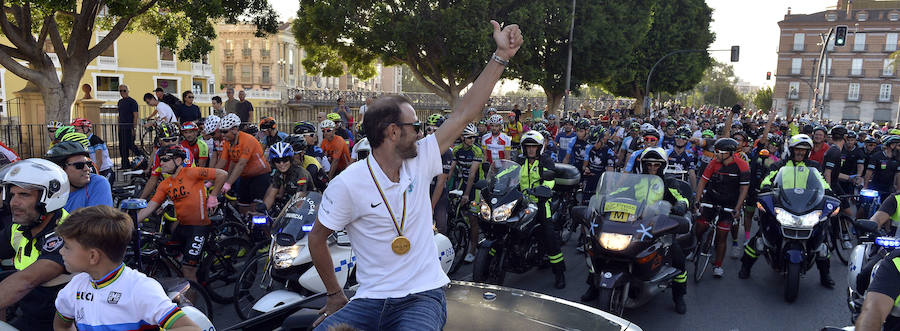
point(485, 211)
point(868, 193)
point(614, 241)
point(502, 213)
point(805, 221)
point(284, 255)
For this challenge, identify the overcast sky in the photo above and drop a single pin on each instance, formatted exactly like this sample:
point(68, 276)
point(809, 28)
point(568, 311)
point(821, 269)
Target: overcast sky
point(753, 25)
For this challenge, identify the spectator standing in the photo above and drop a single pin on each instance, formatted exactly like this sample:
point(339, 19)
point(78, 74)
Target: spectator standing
point(128, 115)
point(162, 112)
point(188, 111)
point(231, 102)
point(363, 108)
point(244, 109)
point(218, 107)
point(344, 111)
point(319, 118)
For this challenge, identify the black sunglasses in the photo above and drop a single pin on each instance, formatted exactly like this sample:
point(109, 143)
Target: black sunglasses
point(170, 139)
point(189, 97)
point(164, 159)
point(79, 165)
point(123, 90)
point(282, 159)
point(415, 125)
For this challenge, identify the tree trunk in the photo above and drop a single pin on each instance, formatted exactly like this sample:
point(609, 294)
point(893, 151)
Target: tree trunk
point(639, 101)
point(553, 101)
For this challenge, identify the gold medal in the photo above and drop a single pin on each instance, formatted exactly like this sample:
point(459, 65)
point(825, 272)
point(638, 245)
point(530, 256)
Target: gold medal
point(400, 245)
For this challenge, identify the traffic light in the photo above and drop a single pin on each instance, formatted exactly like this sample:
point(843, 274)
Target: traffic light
point(840, 35)
point(768, 75)
point(735, 53)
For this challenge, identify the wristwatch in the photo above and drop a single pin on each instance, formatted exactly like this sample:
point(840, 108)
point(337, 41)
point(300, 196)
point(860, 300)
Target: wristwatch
point(499, 60)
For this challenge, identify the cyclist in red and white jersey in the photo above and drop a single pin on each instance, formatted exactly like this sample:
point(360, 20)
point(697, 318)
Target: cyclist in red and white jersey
point(497, 145)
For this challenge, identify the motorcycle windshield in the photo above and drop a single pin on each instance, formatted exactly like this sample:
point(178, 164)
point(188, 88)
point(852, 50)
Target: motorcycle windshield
point(504, 175)
point(475, 306)
point(800, 189)
point(299, 218)
point(624, 195)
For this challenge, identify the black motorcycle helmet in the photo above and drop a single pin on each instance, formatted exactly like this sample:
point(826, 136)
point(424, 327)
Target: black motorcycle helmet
point(726, 145)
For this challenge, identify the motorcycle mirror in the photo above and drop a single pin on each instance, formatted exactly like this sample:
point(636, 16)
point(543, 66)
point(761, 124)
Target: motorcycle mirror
point(542, 192)
point(548, 175)
point(866, 225)
point(481, 184)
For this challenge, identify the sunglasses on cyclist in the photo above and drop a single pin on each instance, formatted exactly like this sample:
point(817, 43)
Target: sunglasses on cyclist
point(653, 164)
point(51, 130)
point(415, 125)
point(79, 165)
point(281, 159)
point(651, 139)
point(327, 130)
point(170, 139)
point(165, 159)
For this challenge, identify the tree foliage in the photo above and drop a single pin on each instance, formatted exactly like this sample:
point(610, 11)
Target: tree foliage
point(676, 25)
point(763, 99)
point(718, 85)
point(68, 26)
point(445, 44)
point(605, 35)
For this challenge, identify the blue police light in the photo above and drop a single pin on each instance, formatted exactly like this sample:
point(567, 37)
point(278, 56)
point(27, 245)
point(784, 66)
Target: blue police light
point(887, 242)
point(306, 228)
point(868, 193)
point(259, 219)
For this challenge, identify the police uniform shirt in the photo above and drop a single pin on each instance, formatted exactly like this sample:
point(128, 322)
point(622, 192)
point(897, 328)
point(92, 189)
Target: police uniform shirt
point(886, 280)
point(46, 245)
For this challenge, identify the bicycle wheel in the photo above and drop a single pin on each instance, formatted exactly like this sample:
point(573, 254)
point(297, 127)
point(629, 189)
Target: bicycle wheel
point(458, 234)
point(221, 266)
point(704, 254)
point(251, 286)
point(837, 233)
point(199, 298)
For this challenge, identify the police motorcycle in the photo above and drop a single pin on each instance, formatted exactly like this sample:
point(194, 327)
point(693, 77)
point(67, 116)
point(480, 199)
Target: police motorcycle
point(470, 306)
point(864, 261)
point(631, 236)
point(565, 196)
point(285, 274)
point(793, 223)
point(507, 219)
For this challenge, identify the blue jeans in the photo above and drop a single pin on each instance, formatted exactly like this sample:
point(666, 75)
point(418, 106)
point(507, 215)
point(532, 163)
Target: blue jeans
point(419, 311)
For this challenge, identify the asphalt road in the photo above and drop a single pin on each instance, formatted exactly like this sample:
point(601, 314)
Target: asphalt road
point(713, 304)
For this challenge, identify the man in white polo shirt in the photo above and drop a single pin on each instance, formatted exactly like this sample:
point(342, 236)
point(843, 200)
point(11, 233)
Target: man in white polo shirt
point(383, 203)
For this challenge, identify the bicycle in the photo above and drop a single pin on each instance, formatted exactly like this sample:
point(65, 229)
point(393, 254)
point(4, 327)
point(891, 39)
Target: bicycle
point(706, 248)
point(843, 237)
point(458, 230)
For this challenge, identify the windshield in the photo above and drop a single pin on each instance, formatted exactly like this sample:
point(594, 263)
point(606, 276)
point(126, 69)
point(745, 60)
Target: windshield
point(300, 216)
point(504, 175)
point(632, 194)
point(799, 189)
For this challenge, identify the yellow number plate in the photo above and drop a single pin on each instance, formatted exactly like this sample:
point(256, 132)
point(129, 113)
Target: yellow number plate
point(619, 216)
point(619, 207)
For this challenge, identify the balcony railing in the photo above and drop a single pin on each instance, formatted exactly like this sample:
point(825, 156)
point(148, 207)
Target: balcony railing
point(265, 80)
point(203, 97)
point(245, 52)
point(168, 66)
point(108, 95)
point(229, 54)
point(262, 94)
point(229, 79)
point(107, 62)
point(201, 69)
point(264, 53)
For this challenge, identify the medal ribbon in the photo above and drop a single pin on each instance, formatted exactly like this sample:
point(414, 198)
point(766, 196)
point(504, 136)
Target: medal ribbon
point(388, 206)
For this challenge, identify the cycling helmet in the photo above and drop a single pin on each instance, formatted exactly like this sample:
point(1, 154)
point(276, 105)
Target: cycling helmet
point(820, 128)
point(63, 130)
point(251, 129)
point(60, 152)
point(726, 145)
point(230, 121)
point(82, 122)
point(894, 132)
point(298, 143)
point(807, 129)
point(801, 141)
point(653, 154)
point(327, 124)
point(189, 126)
point(683, 133)
point(492, 110)
point(707, 134)
point(495, 120)
point(583, 124)
point(851, 134)
point(280, 149)
point(434, 120)
point(597, 133)
point(42, 175)
point(838, 132)
point(651, 132)
point(363, 146)
point(546, 135)
point(304, 127)
point(174, 151)
point(775, 139)
point(470, 130)
point(568, 121)
point(539, 127)
point(334, 117)
point(211, 124)
point(551, 117)
point(54, 124)
point(635, 126)
point(267, 123)
point(890, 139)
point(77, 137)
point(740, 133)
point(648, 127)
point(671, 123)
point(167, 130)
point(737, 126)
point(533, 138)
point(871, 140)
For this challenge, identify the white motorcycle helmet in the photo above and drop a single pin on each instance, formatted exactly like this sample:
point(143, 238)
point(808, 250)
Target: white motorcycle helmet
point(533, 138)
point(230, 121)
point(39, 174)
point(211, 124)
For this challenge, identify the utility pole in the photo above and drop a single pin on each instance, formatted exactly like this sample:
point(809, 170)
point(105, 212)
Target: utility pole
point(569, 64)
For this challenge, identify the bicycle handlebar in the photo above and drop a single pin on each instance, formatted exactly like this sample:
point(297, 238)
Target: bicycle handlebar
point(707, 205)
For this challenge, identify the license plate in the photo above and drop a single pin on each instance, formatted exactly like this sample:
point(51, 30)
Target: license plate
point(619, 207)
point(619, 216)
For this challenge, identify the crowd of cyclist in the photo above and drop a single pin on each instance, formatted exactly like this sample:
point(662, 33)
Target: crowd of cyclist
point(727, 157)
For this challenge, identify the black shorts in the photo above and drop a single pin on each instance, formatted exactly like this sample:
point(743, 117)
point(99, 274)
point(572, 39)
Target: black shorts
point(192, 237)
point(252, 188)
